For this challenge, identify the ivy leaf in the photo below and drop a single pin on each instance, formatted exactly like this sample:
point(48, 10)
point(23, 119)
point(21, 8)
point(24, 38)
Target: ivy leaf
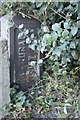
point(21, 26)
point(73, 53)
point(54, 35)
point(65, 33)
point(18, 105)
point(54, 43)
point(38, 4)
point(40, 61)
point(21, 35)
point(42, 49)
point(32, 35)
point(57, 52)
point(72, 45)
point(56, 27)
point(74, 30)
point(66, 25)
point(28, 41)
point(62, 40)
point(68, 60)
point(26, 31)
point(32, 46)
point(32, 63)
point(10, 24)
point(45, 39)
point(45, 29)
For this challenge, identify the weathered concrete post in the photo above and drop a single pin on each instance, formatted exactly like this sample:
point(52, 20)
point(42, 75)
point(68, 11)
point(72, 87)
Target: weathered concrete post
point(4, 66)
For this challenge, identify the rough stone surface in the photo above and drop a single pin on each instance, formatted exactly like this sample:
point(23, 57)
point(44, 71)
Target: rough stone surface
point(4, 67)
point(0, 78)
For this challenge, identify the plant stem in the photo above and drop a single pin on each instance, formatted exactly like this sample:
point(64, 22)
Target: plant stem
point(58, 14)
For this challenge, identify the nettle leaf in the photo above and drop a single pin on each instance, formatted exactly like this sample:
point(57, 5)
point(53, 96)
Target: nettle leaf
point(74, 30)
point(28, 40)
point(21, 26)
point(56, 27)
point(72, 45)
point(65, 33)
point(66, 25)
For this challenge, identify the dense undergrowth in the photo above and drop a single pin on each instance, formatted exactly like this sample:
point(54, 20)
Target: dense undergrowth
point(56, 93)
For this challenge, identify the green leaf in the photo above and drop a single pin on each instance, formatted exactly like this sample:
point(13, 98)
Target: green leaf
point(62, 40)
point(23, 98)
point(56, 27)
point(26, 31)
point(45, 29)
point(65, 109)
point(28, 104)
point(32, 35)
point(42, 49)
point(40, 61)
point(28, 40)
point(66, 25)
point(54, 43)
point(10, 24)
point(74, 30)
point(46, 39)
point(63, 115)
point(72, 45)
point(54, 35)
point(57, 52)
point(73, 53)
point(21, 26)
point(39, 98)
point(20, 94)
point(68, 60)
point(18, 105)
point(65, 33)
point(32, 46)
point(21, 35)
point(38, 4)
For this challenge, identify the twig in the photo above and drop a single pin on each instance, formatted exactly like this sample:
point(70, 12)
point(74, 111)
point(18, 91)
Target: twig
point(35, 18)
point(16, 26)
point(25, 15)
point(58, 14)
point(30, 16)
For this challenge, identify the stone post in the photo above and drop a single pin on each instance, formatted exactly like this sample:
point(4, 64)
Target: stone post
point(4, 66)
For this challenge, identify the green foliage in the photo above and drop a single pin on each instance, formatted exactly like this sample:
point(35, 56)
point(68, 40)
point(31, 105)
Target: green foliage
point(58, 39)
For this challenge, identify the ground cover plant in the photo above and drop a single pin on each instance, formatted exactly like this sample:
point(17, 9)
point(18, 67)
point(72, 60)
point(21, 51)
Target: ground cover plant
point(56, 93)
